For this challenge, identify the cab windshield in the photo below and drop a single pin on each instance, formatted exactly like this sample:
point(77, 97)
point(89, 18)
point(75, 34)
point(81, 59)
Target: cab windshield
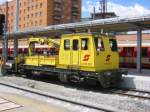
point(99, 45)
point(113, 44)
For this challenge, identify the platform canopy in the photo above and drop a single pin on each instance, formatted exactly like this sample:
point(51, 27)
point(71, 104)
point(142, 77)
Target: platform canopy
point(117, 24)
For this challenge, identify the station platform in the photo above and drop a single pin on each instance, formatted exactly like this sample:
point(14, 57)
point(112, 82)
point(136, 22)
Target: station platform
point(135, 80)
point(17, 103)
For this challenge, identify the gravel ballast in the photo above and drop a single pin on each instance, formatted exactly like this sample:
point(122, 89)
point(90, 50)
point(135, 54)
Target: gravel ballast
point(80, 94)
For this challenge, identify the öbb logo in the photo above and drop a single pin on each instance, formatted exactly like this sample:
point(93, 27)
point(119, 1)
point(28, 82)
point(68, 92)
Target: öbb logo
point(86, 57)
point(108, 58)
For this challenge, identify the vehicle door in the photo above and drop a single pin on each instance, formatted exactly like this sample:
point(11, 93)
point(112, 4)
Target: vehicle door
point(75, 51)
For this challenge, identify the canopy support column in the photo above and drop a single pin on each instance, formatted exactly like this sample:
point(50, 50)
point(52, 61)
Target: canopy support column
point(16, 52)
point(139, 49)
point(5, 45)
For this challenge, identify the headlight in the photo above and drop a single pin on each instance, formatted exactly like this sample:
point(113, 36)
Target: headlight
point(8, 64)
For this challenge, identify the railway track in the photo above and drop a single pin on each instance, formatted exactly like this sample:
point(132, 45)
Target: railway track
point(103, 108)
point(132, 93)
point(78, 100)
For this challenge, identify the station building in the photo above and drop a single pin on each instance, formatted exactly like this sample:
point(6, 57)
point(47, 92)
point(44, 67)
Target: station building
point(40, 13)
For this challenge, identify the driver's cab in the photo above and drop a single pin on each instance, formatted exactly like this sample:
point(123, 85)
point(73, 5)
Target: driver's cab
point(88, 52)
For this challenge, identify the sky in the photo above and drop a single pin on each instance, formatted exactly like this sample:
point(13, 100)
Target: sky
point(123, 8)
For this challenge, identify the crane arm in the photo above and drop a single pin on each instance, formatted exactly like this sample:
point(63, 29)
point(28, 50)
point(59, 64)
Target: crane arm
point(53, 43)
point(50, 42)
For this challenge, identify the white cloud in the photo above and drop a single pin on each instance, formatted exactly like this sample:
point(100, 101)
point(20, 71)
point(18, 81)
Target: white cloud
point(120, 10)
point(3, 1)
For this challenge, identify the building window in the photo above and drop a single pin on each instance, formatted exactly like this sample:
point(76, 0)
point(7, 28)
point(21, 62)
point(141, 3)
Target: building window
point(40, 13)
point(32, 7)
point(28, 8)
point(31, 15)
point(19, 26)
point(28, 16)
point(31, 23)
point(27, 24)
point(35, 23)
point(40, 22)
point(36, 6)
point(36, 14)
point(41, 5)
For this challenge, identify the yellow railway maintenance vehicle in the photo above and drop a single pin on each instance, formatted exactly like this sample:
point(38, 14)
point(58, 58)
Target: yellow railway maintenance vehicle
point(82, 57)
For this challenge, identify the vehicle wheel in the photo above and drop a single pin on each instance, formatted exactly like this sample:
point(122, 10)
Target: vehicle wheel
point(28, 74)
point(91, 82)
point(105, 82)
point(63, 77)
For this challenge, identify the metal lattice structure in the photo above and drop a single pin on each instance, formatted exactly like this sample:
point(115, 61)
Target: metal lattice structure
point(118, 24)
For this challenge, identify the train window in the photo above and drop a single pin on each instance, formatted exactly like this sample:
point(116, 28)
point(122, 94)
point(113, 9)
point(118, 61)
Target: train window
point(119, 49)
point(99, 44)
point(144, 52)
point(45, 51)
point(84, 43)
point(113, 44)
point(75, 44)
point(67, 44)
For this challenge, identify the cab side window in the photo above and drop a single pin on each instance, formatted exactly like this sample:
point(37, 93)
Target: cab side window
point(75, 44)
point(144, 52)
point(99, 44)
point(113, 44)
point(67, 44)
point(84, 44)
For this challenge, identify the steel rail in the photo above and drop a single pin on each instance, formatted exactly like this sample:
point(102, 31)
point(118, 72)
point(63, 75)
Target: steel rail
point(101, 108)
point(132, 93)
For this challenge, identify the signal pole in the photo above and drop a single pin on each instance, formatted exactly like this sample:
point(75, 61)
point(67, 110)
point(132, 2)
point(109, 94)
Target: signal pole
point(5, 45)
point(5, 38)
point(16, 29)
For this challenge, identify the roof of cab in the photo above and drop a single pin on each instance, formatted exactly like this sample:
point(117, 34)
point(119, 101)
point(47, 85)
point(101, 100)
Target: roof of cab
point(77, 34)
point(86, 34)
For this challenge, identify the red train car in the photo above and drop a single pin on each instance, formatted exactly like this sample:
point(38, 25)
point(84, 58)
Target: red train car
point(24, 51)
point(128, 55)
point(127, 52)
